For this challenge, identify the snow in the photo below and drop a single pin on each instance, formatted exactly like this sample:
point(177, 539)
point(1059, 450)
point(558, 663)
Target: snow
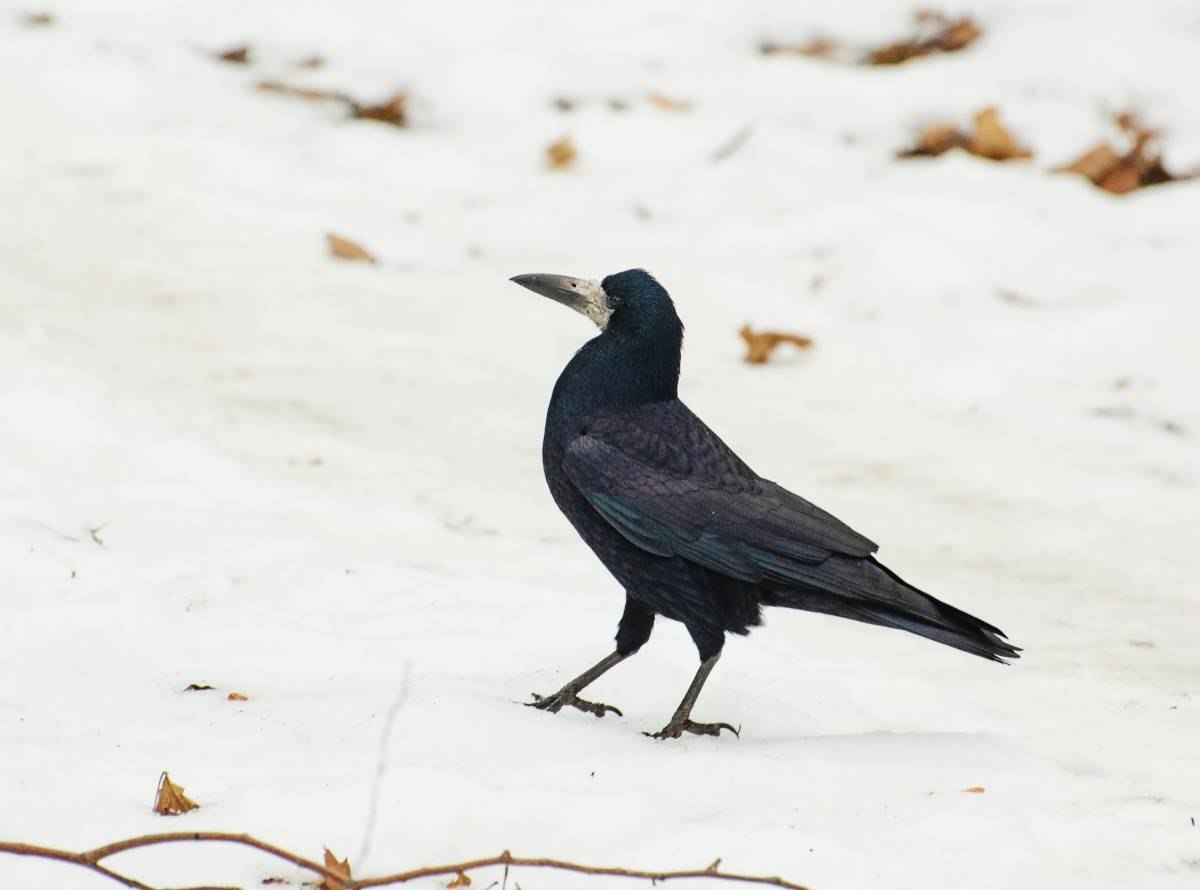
point(318, 483)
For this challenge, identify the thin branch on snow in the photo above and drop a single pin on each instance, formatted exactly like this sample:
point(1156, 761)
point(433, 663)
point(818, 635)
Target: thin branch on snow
point(91, 860)
point(381, 761)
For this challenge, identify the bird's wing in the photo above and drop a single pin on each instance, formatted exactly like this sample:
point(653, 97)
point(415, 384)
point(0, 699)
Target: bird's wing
point(670, 486)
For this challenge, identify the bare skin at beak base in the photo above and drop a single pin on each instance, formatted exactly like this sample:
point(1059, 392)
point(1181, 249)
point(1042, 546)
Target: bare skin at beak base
point(584, 295)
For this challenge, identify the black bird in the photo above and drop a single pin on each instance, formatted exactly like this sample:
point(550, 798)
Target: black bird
point(690, 531)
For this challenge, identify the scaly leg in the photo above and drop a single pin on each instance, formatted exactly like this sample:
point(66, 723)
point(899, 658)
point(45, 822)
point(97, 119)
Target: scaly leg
point(633, 630)
point(568, 695)
point(681, 722)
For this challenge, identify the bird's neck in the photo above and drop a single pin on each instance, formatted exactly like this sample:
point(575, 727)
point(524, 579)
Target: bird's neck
point(612, 373)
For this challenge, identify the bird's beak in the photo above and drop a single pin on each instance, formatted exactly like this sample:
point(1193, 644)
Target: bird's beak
point(582, 294)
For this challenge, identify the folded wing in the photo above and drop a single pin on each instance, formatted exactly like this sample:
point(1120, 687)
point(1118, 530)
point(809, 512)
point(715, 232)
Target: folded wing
point(669, 485)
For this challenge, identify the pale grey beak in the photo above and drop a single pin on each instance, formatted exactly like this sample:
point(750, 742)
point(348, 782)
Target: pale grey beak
point(582, 294)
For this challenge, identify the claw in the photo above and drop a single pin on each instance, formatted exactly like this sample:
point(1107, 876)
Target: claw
point(555, 703)
point(677, 728)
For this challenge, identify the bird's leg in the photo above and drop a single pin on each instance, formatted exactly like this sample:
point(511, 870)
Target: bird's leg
point(569, 694)
point(681, 722)
point(632, 632)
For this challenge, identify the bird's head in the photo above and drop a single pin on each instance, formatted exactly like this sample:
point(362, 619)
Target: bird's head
point(623, 303)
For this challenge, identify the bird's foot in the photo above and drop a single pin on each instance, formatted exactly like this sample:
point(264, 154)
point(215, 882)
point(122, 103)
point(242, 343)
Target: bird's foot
point(677, 728)
point(555, 703)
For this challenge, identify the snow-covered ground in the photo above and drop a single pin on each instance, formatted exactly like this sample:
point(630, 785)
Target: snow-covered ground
point(310, 479)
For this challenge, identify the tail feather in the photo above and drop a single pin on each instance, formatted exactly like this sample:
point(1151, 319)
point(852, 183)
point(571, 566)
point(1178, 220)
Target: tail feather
point(879, 596)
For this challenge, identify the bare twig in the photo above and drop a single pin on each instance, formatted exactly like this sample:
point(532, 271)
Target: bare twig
point(91, 859)
point(381, 762)
point(731, 145)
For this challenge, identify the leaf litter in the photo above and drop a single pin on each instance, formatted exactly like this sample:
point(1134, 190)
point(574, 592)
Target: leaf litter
point(934, 32)
point(988, 138)
point(1139, 166)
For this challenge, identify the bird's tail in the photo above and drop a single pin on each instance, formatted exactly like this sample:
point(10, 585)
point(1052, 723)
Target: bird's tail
point(870, 592)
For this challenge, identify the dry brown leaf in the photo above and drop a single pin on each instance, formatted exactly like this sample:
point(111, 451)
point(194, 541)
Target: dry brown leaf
point(975, 789)
point(393, 110)
point(1123, 178)
point(760, 344)
point(1095, 163)
point(345, 249)
point(340, 868)
point(991, 140)
point(1119, 174)
point(460, 880)
point(38, 19)
point(561, 154)
point(237, 696)
point(313, 61)
point(937, 33)
point(668, 103)
point(169, 799)
point(238, 55)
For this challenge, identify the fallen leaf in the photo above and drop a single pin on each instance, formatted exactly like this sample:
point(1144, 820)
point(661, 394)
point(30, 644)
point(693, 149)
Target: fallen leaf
point(1139, 167)
point(460, 880)
point(760, 344)
point(313, 61)
point(237, 696)
point(345, 249)
point(340, 868)
point(1095, 163)
point(393, 110)
point(936, 33)
point(668, 103)
point(38, 19)
point(238, 55)
point(988, 139)
point(169, 799)
point(975, 789)
point(992, 141)
point(196, 687)
point(1121, 179)
point(561, 154)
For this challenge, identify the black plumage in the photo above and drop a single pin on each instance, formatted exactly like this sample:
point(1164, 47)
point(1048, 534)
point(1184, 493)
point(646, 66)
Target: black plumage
point(690, 531)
